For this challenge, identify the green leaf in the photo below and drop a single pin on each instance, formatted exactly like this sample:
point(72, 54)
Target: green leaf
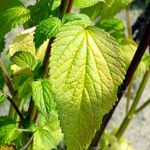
point(43, 10)
point(2, 97)
point(22, 81)
point(53, 127)
point(54, 4)
point(2, 79)
point(8, 130)
point(128, 49)
point(85, 3)
point(112, 7)
point(42, 140)
point(86, 70)
point(24, 42)
point(114, 26)
point(80, 19)
point(23, 59)
point(42, 96)
point(12, 14)
point(106, 9)
point(2, 44)
point(46, 29)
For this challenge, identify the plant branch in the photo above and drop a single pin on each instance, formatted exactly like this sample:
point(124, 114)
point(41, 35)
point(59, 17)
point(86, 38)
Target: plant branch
point(8, 80)
point(145, 42)
point(14, 105)
point(47, 56)
point(142, 107)
point(127, 10)
point(130, 115)
point(70, 6)
point(129, 96)
point(27, 144)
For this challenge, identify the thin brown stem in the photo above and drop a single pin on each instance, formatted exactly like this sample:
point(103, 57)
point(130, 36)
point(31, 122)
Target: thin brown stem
point(8, 80)
point(14, 105)
point(145, 42)
point(70, 6)
point(47, 56)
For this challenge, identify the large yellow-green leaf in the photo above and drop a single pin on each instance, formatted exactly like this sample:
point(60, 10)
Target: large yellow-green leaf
point(86, 70)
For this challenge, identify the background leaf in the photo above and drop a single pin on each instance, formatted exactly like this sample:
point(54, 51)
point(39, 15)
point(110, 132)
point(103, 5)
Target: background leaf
point(86, 70)
point(42, 96)
point(23, 59)
point(129, 48)
point(43, 9)
point(85, 3)
point(46, 29)
point(2, 79)
point(106, 9)
point(22, 81)
point(10, 18)
point(8, 130)
point(113, 26)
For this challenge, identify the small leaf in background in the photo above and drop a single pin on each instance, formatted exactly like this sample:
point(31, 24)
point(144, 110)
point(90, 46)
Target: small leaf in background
point(2, 44)
point(112, 7)
point(2, 97)
point(23, 59)
point(46, 29)
point(80, 19)
point(8, 131)
point(95, 9)
point(42, 139)
point(86, 70)
point(85, 3)
point(10, 18)
point(53, 126)
point(24, 42)
point(42, 96)
point(128, 49)
point(106, 9)
point(2, 79)
point(113, 26)
point(22, 81)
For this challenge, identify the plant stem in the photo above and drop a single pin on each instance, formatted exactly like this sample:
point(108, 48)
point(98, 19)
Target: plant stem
point(70, 6)
point(8, 80)
point(14, 105)
point(128, 21)
point(129, 96)
point(130, 115)
point(127, 10)
point(142, 107)
point(47, 56)
point(145, 42)
point(63, 7)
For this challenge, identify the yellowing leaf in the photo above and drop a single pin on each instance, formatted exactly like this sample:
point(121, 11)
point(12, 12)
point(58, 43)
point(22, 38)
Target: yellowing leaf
point(86, 70)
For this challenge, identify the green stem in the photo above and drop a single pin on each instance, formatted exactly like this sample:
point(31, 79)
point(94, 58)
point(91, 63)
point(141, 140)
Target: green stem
point(143, 106)
point(127, 10)
point(129, 96)
point(130, 115)
point(63, 7)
